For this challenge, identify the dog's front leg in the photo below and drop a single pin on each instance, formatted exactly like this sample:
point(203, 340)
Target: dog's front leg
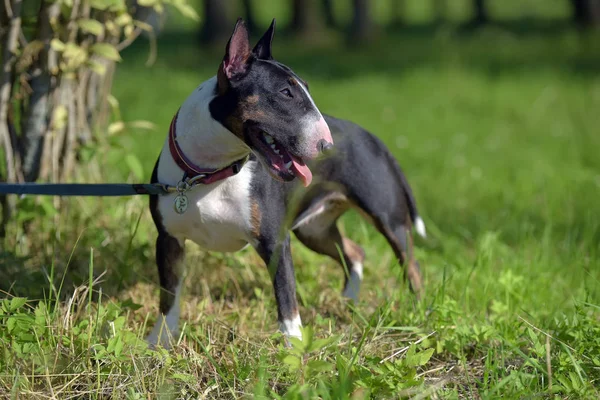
point(278, 258)
point(169, 259)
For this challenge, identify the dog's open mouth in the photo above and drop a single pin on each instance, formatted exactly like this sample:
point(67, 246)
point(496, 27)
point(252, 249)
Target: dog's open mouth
point(282, 165)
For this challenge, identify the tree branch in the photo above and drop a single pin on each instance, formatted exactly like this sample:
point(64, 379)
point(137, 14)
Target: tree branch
point(8, 59)
point(35, 117)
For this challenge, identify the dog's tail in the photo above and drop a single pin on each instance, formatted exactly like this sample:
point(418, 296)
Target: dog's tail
point(410, 199)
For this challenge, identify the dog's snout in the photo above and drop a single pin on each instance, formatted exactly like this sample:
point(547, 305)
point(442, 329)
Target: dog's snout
point(324, 146)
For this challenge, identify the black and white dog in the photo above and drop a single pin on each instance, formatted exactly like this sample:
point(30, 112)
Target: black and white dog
point(233, 151)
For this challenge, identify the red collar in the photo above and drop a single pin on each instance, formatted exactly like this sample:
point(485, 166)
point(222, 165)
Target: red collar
point(191, 170)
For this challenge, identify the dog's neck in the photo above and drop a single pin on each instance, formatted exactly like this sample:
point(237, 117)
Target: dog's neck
point(206, 142)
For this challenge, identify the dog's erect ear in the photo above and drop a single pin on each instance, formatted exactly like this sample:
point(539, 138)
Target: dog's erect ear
point(237, 53)
point(262, 50)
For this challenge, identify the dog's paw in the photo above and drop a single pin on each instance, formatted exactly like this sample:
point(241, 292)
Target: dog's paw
point(161, 336)
point(352, 288)
point(351, 293)
point(291, 328)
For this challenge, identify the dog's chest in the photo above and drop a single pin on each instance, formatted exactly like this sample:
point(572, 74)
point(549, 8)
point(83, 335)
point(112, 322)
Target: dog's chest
point(218, 215)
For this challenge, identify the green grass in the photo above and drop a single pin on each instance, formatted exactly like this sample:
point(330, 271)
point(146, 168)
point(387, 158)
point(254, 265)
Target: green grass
point(498, 135)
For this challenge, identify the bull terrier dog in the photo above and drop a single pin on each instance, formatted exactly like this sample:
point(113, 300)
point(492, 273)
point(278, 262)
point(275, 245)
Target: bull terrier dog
point(242, 151)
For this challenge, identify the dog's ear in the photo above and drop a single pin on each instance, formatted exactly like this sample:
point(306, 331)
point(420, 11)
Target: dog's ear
point(237, 54)
point(262, 50)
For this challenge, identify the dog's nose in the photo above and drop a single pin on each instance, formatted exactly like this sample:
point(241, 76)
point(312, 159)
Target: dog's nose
point(324, 146)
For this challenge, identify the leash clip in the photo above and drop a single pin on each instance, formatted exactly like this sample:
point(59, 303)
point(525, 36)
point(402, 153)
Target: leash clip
point(182, 187)
point(181, 201)
point(192, 181)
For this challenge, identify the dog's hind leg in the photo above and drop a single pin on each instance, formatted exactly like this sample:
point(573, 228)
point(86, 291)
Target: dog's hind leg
point(316, 228)
point(330, 242)
point(169, 259)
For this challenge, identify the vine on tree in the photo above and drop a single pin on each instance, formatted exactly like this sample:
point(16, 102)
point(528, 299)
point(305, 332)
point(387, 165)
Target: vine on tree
point(56, 78)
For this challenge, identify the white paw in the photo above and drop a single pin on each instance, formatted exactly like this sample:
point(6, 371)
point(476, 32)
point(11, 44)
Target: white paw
point(420, 227)
point(291, 328)
point(161, 335)
point(353, 286)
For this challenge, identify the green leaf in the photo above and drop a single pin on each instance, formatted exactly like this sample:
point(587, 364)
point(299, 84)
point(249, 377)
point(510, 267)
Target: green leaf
point(297, 345)
point(414, 359)
point(293, 361)
point(322, 343)
point(319, 366)
point(116, 127)
point(59, 117)
point(130, 304)
point(57, 45)
point(135, 166)
point(100, 4)
point(425, 356)
point(187, 378)
point(47, 204)
point(187, 11)
point(123, 19)
point(73, 57)
point(113, 5)
point(142, 125)
point(147, 3)
point(97, 67)
point(11, 323)
point(16, 303)
point(115, 345)
point(308, 335)
point(159, 8)
point(40, 315)
point(107, 51)
point(118, 346)
point(128, 30)
point(91, 26)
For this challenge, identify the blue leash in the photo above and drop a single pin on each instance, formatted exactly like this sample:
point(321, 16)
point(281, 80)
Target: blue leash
point(86, 189)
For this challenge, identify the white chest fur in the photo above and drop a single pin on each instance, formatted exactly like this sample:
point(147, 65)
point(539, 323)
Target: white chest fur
point(218, 215)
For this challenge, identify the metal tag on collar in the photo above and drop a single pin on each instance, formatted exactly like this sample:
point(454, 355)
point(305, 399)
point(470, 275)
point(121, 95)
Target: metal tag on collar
point(181, 200)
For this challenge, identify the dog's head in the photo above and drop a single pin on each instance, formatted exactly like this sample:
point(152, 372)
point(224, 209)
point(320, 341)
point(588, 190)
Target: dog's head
point(268, 106)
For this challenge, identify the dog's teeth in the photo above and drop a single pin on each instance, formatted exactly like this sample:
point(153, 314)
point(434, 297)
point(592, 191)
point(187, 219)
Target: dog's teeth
point(276, 151)
point(268, 139)
point(273, 146)
point(288, 165)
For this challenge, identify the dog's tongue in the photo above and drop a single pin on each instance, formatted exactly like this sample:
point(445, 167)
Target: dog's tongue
point(301, 171)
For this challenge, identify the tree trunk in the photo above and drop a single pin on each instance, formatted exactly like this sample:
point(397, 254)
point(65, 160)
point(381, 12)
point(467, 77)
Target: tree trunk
point(481, 15)
point(54, 87)
point(9, 49)
point(307, 19)
point(217, 28)
point(586, 12)
point(330, 20)
point(361, 30)
point(440, 9)
point(398, 12)
point(249, 14)
point(35, 117)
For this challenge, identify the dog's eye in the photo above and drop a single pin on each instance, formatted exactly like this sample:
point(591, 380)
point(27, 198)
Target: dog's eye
point(286, 92)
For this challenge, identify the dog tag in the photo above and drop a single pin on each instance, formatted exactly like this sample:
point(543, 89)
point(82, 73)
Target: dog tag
point(181, 203)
